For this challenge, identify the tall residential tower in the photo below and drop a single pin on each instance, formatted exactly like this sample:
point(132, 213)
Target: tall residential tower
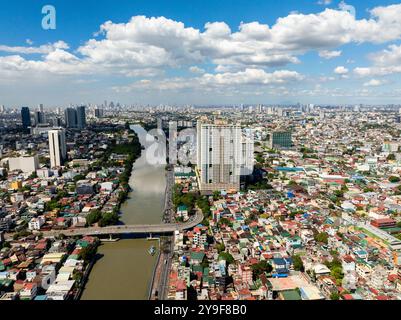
point(219, 156)
point(57, 147)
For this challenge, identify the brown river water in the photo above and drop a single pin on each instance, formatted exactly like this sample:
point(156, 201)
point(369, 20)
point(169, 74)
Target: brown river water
point(124, 269)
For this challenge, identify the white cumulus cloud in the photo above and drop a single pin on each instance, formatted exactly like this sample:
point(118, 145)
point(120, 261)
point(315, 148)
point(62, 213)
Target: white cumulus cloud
point(341, 70)
point(326, 54)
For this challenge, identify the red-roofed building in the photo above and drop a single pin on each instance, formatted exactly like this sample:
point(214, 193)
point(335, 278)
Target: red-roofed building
point(245, 273)
point(383, 223)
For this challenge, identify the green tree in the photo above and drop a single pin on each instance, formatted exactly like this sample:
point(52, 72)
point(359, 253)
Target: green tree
point(79, 177)
point(88, 253)
point(5, 245)
point(227, 257)
point(220, 247)
point(203, 204)
point(93, 217)
point(322, 237)
point(337, 273)
point(334, 296)
point(52, 205)
point(33, 175)
point(205, 262)
point(260, 268)
point(391, 157)
point(225, 221)
point(108, 219)
point(298, 264)
point(216, 195)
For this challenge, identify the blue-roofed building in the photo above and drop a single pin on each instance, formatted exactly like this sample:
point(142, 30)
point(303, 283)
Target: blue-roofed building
point(282, 265)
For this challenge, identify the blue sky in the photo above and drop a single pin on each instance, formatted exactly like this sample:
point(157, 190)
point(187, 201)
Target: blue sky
point(201, 52)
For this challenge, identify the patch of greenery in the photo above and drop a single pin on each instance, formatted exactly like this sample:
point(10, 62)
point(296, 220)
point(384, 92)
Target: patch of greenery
point(322, 237)
point(227, 257)
point(260, 268)
point(298, 264)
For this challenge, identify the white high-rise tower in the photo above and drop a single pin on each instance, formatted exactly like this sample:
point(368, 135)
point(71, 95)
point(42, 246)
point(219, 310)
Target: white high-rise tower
point(57, 147)
point(219, 156)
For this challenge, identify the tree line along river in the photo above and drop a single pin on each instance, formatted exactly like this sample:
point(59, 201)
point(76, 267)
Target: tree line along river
point(124, 269)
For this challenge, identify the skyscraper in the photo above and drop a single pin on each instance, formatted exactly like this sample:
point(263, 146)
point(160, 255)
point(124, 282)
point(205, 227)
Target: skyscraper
point(39, 117)
point(26, 117)
point(57, 147)
point(81, 117)
point(219, 157)
point(70, 118)
point(99, 113)
point(247, 150)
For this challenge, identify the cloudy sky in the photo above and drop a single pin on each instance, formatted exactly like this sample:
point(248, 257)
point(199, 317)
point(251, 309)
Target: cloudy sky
point(201, 52)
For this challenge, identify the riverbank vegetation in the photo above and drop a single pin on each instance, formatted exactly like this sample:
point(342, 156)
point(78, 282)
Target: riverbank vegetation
point(132, 150)
point(191, 200)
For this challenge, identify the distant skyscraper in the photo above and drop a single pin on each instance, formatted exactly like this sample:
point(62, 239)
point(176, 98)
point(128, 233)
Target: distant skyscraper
point(57, 147)
point(99, 113)
point(71, 118)
point(41, 107)
point(39, 117)
point(219, 156)
point(159, 123)
point(81, 117)
point(56, 121)
point(26, 117)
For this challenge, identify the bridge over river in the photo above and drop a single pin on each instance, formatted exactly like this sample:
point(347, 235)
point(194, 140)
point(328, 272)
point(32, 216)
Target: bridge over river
point(129, 229)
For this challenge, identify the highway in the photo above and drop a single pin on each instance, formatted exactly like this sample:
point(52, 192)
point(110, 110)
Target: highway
point(166, 258)
point(160, 282)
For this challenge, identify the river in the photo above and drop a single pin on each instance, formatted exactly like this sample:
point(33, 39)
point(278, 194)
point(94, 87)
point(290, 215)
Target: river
point(125, 268)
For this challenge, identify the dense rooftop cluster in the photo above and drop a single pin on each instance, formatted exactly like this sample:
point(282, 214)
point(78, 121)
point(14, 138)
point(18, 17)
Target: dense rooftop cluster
point(323, 222)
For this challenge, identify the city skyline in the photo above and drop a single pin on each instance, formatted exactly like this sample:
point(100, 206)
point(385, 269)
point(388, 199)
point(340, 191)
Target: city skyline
point(211, 152)
point(320, 52)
